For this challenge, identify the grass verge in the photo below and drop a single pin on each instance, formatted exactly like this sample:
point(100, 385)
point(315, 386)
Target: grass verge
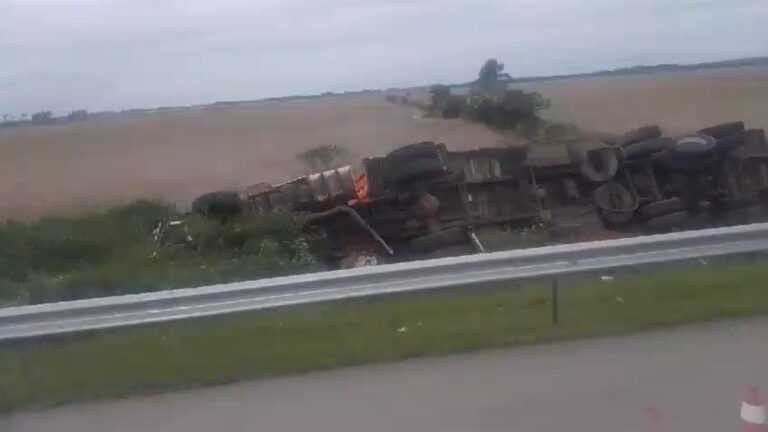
point(116, 252)
point(180, 355)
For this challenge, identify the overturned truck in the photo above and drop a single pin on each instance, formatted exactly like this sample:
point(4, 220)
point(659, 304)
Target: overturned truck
point(423, 200)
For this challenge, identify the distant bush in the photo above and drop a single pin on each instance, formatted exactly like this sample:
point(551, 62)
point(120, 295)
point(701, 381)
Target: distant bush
point(438, 95)
point(392, 98)
point(508, 110)
point(322, 157)
point(445, 105)
point(453, 107)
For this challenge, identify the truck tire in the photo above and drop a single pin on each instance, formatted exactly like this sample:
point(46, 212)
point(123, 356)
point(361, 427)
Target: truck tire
point(416, 168)
point(659, 208)
point(731, 142)
point(666, 222)
point(643, 133)
point(693, 144)
point(597, 165)
point(645, 148)
point(609, 139)
point(724, 129)
point(614, 197)
point(738, 201)
point(441, 239)
point(221, 205)
point(690, 152)
point(420, 149)
point(686, 162)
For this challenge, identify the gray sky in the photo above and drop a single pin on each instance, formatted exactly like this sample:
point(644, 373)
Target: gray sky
point(117, 54)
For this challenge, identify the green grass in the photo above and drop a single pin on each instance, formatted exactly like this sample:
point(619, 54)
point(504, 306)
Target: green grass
point(181, 355)
point(114, 252)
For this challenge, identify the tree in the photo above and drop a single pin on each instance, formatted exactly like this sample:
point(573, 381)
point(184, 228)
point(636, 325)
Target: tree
point(488, 79)
point(78, 115)
point(42, 117)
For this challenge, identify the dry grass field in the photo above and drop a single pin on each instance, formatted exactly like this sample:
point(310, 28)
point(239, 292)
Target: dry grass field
point(679, 101)
point(64, 169)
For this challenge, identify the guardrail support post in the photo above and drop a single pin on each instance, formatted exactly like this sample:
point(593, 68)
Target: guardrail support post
point(555, 311)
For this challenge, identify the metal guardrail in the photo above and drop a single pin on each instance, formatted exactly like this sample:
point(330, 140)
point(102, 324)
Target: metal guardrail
point(472, 270)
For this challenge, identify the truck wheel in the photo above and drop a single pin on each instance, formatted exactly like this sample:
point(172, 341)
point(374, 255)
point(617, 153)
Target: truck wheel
point(614, 197)
point(731, 142)
point(644, 133)
point(438, 240)
point(645, 148)
point(691, 152)
point(416, 168)
point(609, 139)
point(659, 208)
point(738, 201)
point(693, 144)
point(221, 205)
point(420, 149)
point(724, 129)
point(666, 222)
point(597, 165)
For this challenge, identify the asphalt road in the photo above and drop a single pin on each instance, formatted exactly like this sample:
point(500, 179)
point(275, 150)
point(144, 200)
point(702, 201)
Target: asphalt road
point(686, 379)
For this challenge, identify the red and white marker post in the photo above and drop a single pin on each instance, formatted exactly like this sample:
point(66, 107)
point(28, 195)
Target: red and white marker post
point(753, 412)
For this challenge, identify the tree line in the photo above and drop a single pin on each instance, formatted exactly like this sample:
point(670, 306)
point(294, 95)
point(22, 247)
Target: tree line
point(43, 118)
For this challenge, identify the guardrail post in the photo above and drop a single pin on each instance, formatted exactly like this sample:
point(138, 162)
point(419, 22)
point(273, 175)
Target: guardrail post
point(555, 311)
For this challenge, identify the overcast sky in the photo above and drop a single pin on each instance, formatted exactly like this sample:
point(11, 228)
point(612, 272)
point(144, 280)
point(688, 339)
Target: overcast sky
point(117, 54)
